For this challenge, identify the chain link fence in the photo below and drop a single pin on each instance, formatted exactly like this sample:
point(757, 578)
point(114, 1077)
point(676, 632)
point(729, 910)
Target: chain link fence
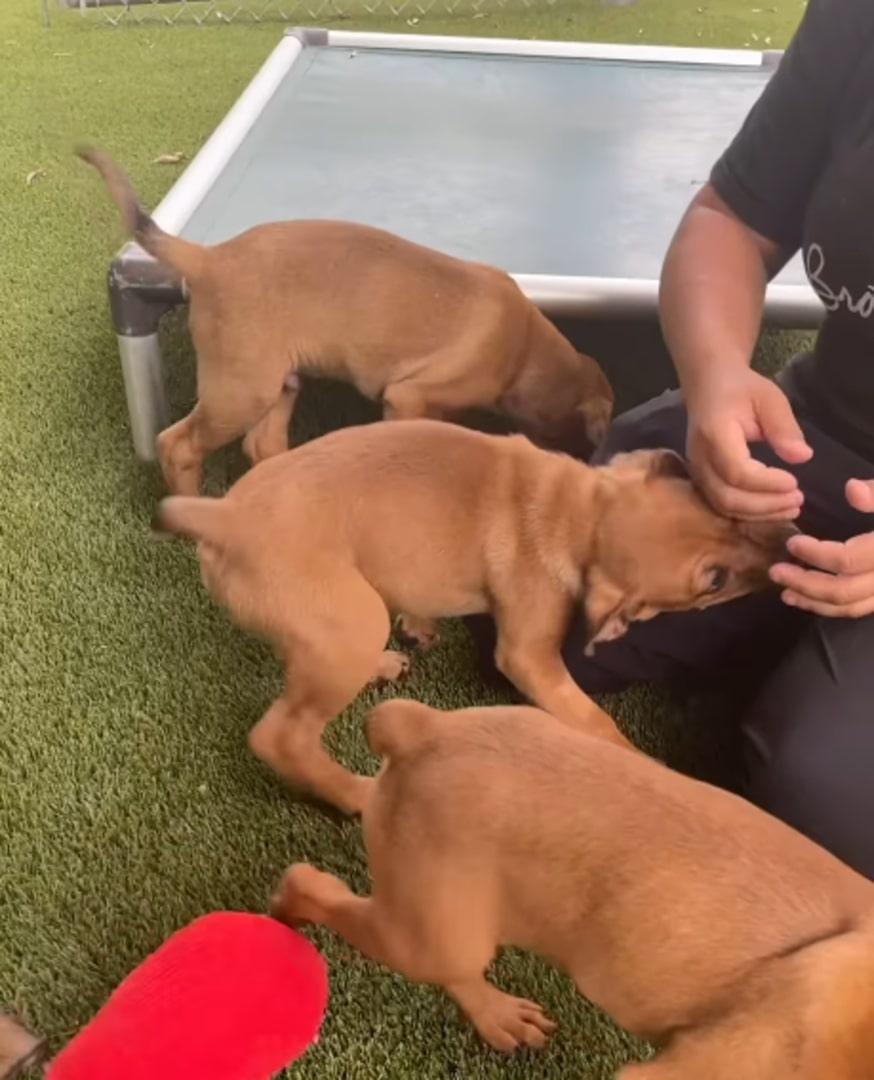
point(202, 12)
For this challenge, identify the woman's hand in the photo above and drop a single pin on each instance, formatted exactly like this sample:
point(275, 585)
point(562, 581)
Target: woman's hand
point(728, 410)
point(842, 585)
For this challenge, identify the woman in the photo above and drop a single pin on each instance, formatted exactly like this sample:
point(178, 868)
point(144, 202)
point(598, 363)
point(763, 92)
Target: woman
point(798, 175)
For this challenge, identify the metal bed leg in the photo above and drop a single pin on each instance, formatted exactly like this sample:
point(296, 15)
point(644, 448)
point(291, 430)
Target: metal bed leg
point(143, 373)
point(140, 295)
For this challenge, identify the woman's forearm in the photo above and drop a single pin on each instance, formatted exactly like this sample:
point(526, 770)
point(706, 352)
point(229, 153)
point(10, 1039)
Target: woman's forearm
point(712, 291)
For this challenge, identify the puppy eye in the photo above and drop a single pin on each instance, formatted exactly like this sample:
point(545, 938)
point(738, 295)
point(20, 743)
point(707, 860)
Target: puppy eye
point(717, 579)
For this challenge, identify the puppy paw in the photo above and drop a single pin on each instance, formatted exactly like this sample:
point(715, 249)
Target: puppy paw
point(302, 895)
point(514, 1024)
point(421, 633)
point(354, 799)
point(506, 1023)
point(392, 667)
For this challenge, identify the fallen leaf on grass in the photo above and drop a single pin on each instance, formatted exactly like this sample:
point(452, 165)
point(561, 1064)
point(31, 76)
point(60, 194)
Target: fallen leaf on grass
point(32, 177)
point(168, 159)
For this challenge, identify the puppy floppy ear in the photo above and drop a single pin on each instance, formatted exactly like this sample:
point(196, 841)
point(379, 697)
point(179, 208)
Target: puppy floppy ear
point(653, 464)
point(596, 413)
point(771, 535)
point(605, 606)
point(667, 463)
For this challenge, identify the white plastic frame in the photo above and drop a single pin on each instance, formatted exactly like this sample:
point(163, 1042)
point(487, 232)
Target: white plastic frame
point(796, 306)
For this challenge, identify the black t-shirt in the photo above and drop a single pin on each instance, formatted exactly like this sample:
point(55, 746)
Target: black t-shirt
point(801, 172)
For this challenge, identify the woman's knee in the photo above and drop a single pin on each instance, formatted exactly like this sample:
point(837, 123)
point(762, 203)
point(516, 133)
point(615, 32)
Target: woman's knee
point(659, 422)
point(809, 741)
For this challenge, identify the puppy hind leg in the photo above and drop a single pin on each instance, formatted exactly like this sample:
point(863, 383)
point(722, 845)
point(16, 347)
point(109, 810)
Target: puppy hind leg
point(443, 911)
point(325, 672)
point(307, 895)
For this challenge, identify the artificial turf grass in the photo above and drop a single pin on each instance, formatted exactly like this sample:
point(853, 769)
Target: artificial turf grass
point(129, 804)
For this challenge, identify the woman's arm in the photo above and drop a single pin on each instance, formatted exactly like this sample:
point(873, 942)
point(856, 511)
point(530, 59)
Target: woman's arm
point(713, 289)
point(737, 234)
point(711, 300)
point(748, 221)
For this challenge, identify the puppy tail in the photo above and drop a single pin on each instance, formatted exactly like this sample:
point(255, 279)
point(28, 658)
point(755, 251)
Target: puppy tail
point(397, 727)
point(185, 258)
point(199, 518)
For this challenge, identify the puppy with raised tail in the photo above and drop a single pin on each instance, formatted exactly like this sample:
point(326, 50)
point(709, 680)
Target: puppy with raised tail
point(427, 334)
point(743, 950)
point(316, 549)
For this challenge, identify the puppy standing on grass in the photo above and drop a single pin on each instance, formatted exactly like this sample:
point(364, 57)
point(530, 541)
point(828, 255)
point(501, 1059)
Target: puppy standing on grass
point(315, 549)
point(694, 919)
point(428, 334)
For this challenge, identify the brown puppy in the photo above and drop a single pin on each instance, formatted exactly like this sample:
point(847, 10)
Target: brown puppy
point(19, 1050)
point(428, 334)
point(690, 916)
point(313, 550)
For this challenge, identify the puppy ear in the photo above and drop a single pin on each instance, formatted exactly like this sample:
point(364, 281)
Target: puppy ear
point(614, 625)
point(596, 413)
point(663, 463)
point(605, 608)
point(654, 464)
point(771, 535)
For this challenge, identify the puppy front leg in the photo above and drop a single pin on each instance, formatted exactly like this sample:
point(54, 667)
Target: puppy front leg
point(423, 633)
point(181, 454)
point(269, 436)
point(405, 401)
point(544, 679)
point(528, 653)
point(505, 1022)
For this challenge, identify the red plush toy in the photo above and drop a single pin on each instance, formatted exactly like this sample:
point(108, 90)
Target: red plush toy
point(231, 997)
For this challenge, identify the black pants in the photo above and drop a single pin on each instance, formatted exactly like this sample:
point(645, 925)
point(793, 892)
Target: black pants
point(808, 734)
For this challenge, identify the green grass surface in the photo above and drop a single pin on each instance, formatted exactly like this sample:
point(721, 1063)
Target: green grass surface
point(129, 804)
